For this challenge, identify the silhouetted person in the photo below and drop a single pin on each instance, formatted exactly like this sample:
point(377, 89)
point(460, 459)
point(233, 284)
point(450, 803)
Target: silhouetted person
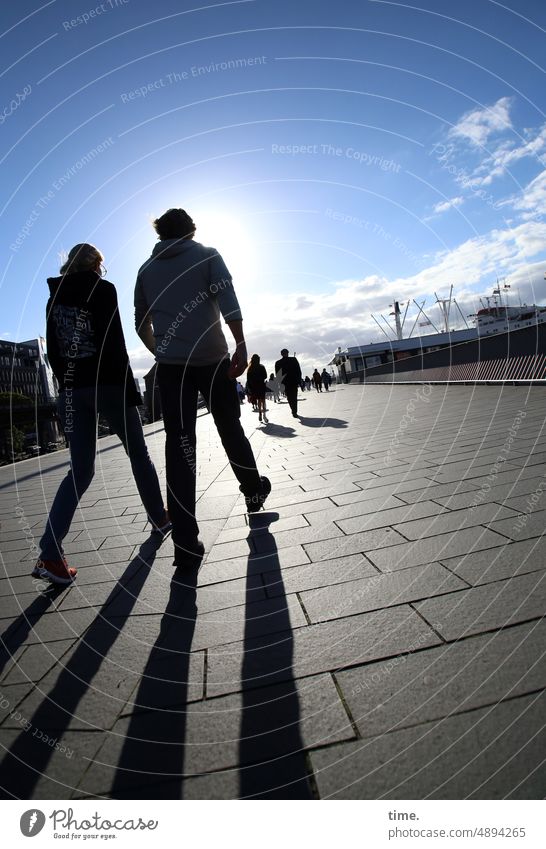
point(317, 380)
point(256, 377)
point(273, 386)
point(288, 373)
point(326, 379)
point(307, 382)
point(181, 292)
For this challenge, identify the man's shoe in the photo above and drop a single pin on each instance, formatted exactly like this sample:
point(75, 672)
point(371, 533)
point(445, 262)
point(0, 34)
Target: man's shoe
point(56, 571)
point(256, 501)
point(189, 558)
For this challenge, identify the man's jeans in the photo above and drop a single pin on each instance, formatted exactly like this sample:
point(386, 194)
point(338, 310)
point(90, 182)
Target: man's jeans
point(291, 393)
point(179, 386)
point(78, 411)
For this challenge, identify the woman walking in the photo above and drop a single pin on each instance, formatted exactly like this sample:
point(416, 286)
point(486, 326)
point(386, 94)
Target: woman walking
point(87, 352)
point(256, 377)
point(273, 386)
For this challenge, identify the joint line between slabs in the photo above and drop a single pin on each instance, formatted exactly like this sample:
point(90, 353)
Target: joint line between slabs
point(432, 628)
point(346, 707)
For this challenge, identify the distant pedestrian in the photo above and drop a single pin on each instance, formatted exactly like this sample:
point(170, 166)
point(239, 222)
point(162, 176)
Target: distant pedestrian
point(317, 380)
point(288, 373)
point(307, 382)
point(326, 379)
point(86, 349)
point(256, 377)
point(241, 392)
point(273, 386)
point(251, 398)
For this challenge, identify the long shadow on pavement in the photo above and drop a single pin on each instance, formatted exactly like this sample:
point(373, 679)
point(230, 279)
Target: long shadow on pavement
point(307, 421)
point(272, 429)
point(18, 630)
point(28, 758)
point(151, 762)
point(271, 754)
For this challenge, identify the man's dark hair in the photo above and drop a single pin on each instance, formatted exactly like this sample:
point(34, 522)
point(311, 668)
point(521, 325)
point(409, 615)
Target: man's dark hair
point(284, 351)
point(174, 224)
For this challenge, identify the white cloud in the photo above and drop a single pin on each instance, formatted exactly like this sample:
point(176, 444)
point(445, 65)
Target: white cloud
point(508, 153)
point(452, 203)
point(532, 199)
point(141, 361)
point(477, 125)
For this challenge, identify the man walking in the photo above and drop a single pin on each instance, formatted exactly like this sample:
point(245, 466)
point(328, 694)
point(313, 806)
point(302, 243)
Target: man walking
point(326, 379)
point(288, 372)
point(181, 292)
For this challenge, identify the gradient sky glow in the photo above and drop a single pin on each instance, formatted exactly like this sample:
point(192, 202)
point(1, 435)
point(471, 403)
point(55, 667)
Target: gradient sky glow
point(339, 155)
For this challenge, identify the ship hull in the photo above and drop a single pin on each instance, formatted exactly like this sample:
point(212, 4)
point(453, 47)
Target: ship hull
point(516, 355)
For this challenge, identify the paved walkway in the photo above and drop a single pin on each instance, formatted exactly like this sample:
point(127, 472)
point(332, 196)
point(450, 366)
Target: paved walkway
point(377, 633)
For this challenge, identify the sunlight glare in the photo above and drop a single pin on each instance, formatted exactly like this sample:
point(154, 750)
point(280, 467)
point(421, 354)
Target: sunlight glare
point(232, 239)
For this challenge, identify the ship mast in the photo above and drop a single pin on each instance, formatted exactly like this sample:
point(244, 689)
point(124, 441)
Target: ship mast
point(445, 308)
point(397, 321)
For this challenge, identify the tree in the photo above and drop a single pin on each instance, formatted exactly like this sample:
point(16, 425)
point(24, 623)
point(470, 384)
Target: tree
point(13, 398)
point(17, 440)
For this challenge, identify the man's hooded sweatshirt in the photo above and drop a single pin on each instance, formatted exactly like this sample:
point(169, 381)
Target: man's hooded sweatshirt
point(183, 290)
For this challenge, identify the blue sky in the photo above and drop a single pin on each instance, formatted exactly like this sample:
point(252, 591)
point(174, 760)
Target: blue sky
point(338, 155)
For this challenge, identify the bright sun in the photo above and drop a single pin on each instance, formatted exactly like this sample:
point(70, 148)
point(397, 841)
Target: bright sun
point(232, 239)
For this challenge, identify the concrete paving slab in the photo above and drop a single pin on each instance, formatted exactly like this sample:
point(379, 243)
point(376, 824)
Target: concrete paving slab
point(64, 759)
point(208, 736)
point(312, 575)
point(494, 564)
point(34, 662)
point(484, 514)
point(353, 543)
point(439, 682)
point(489, 753)
point(317, 648)
point(379, 591)
point(524, 526)
point(487, 607)
point(256, 564)
point(431, 549)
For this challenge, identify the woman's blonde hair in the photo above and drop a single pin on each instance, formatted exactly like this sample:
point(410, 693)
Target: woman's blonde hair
point(82, 257)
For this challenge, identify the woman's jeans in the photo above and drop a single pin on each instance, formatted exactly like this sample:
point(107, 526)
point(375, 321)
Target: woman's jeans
point(78, 411)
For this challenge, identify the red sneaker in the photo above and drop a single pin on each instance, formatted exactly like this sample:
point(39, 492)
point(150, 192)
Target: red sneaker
point(56, 571)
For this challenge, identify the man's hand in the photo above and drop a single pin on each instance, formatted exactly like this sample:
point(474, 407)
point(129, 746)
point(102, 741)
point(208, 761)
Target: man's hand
point(147, 335)
point(239, 362)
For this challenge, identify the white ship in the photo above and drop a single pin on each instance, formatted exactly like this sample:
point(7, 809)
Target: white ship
point(494, 317)
point(500, 319)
